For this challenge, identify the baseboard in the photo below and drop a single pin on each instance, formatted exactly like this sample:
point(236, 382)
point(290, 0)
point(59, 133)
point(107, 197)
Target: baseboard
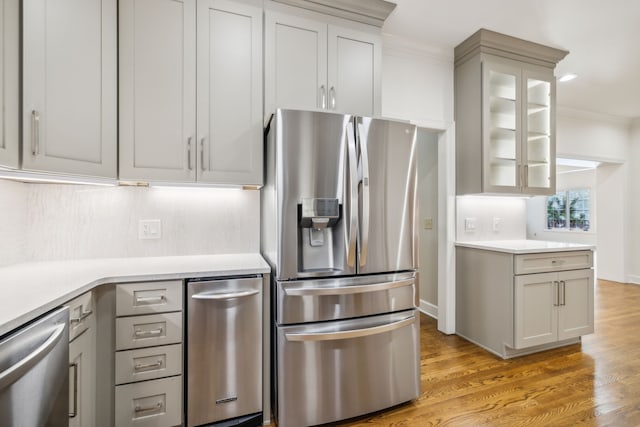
point(634, 279)
point(428, 309)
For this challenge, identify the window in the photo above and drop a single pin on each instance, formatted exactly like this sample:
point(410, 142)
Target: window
point(569, 210)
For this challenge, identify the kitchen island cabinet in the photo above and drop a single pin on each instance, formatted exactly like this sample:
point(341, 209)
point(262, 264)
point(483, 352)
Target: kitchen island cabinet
point(514, 301)
point(316, 62)
point(505, 115)
point(191, 91)
point(69, 122)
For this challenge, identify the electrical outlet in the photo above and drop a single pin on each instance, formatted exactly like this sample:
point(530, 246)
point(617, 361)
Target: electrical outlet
point(149, 229)
point(497, 223)
point(469, 225)
point(428, 223)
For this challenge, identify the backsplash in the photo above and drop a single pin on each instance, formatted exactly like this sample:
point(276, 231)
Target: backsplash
point(54, 222)
point(490, 218)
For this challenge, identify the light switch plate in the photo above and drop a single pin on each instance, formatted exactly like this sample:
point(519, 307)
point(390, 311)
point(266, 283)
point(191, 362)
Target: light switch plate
point(149, 229)
point(469, 225)
point(497, 223)
point(428, 223)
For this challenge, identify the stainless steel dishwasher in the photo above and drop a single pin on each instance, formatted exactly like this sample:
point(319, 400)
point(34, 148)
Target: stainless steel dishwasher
point(224, 351)
point(34, 375)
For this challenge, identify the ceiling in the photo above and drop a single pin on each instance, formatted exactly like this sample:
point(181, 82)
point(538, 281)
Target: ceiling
point(603, 38)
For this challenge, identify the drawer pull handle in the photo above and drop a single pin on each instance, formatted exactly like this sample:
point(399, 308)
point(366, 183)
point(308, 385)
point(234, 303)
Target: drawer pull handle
point(148, 408)
point(153, 332)
point(148, 300)
point(142, 366)
point(74, 413)
point(82, 316)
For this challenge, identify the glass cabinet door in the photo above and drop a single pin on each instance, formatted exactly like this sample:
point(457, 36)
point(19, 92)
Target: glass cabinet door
point(502, 117)
point(538, 147)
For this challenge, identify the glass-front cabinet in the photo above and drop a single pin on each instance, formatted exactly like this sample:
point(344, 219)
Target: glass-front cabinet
point(518, 153)
point(505, 126)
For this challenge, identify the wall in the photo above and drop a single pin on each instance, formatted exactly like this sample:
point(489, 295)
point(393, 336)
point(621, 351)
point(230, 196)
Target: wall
point(633, 211)
point(611, 206)
point(511, 212)
point(428, 211)
point(417, 83)
point(75, 221)
point(583, 135)
point(13, 222)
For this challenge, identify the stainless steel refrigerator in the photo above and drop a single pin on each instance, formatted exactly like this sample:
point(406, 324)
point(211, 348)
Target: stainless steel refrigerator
point(339, 230)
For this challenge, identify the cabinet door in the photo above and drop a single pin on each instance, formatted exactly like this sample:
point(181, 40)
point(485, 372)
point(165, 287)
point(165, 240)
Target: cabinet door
point(538, 124)
point(295, 63)
point(69, 86)
point(158, 90)
point(535, 309)
point(575, 312)
point(353, 71)
point(82, 383)
point(501, 83)
point(9, 83)
point(229, 92)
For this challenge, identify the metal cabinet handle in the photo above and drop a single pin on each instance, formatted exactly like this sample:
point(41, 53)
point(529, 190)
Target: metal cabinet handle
point(225, 295)
point(564, 292)
point(142, 366)
point(346, 290)
point(332, 98)
point(138, 408)
point(343, 335)
point(526, 175)
point(189, 165)
point(82, 316)
point(153, 332)
point(147, 300)
point(556, 300)
point(10, 375)
point(323, 97)
point(202, 155)
point(35, 132)
point(74, 413)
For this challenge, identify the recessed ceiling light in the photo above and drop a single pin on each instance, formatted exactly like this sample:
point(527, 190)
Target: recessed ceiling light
point(567, 77)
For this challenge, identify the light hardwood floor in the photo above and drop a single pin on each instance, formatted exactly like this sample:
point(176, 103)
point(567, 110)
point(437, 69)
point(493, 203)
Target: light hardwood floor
point(595, 383)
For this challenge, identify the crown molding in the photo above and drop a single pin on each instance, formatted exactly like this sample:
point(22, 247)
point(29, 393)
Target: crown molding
point(372, 12)
point(592, 115)
point(393, 44)
point(491, 42)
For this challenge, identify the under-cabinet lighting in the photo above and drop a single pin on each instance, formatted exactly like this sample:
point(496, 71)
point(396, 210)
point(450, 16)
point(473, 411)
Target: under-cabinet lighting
point(567, 77)
point(34, 177)
point(192, 186)
point(578, 163)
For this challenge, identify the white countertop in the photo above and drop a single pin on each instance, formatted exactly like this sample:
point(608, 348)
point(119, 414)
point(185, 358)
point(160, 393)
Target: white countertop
point(28, 290)
point(525, 246)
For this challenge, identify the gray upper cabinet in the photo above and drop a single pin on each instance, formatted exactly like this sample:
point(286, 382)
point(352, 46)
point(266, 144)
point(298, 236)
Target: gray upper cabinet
point(161, 52)
point(317, 62)
point(505, 115)
point(69, 87)
point(9, 83)
point(157, 90)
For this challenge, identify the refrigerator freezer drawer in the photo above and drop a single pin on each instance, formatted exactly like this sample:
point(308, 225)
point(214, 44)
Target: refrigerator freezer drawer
point(344, 298)
point(335, 370)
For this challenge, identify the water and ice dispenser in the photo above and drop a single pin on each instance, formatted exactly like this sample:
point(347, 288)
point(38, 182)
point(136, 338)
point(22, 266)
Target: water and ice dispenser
point(316, 219)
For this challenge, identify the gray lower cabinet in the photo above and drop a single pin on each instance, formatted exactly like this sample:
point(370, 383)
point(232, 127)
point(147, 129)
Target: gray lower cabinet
point(514, 304)
point(82, 361)
point(148, 356)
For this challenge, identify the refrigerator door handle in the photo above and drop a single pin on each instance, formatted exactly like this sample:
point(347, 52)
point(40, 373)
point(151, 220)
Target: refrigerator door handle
point(353, 194)
point(364, 223)
point(355, 333)
point(347, 290)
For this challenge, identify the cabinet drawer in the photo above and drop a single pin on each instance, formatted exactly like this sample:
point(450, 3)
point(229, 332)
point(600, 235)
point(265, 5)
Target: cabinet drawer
point(156, 403)
point(148, 297)
point(149, 330)
point(81, 315)
point(552, 261)
point(148, 363)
